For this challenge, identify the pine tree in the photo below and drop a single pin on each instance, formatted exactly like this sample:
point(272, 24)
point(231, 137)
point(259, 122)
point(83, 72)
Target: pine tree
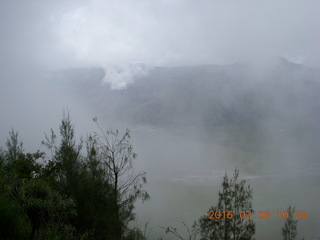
point(289, 231)
point(234, 198)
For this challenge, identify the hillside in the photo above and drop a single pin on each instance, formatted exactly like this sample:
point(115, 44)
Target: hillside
point(241, 94)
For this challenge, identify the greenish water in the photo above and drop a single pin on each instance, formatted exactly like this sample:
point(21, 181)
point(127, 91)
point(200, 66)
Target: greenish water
point(185, 175)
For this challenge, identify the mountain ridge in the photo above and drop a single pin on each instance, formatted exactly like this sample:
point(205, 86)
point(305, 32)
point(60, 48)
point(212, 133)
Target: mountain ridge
point(204, 95)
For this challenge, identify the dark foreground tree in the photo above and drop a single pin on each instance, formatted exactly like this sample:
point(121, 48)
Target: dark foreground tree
point(42, 206)
point(230, 219)
point(116, 154)
point(192, 232)
point(83, 178)
point(29, 207)
point(289, 230)
point(69, 193)
point(102, 181)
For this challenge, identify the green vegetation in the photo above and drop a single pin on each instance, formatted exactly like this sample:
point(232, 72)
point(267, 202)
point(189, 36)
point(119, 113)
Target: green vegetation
point(74, 192)
point(225, 221)
point(86, 189)
point(289, 230)
point(230, 219)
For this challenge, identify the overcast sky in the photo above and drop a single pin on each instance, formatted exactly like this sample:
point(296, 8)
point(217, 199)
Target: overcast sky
point(60, 34)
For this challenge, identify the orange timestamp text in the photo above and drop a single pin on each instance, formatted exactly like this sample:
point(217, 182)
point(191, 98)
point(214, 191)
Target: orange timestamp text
point(251, 215)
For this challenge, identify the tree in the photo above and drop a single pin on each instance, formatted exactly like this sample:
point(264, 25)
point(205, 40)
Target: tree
point(192, 232)
point(95, 198)
point(74, 194)
point(289, 230)
point(42, 204)
point(68, 157)
point(20, 164)
point(12, 221)
point(82, 178)
point(101, 182)
point(234, 198)
point(14, 146)
point(117, 154)
point(25, 195)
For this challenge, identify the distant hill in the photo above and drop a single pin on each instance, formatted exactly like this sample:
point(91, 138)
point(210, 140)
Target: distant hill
point(241, 94)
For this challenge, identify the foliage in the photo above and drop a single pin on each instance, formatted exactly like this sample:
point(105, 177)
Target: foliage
point(69, 193)
point(192, 234)
point(116, 154)
point(234, 197)
point(30, 204)
point(87, 190)
point(15, 161)
point(12, 221)
point(289, 230)
point(42, 204)
point(81, 177)
point(100, 179)
point(137, 234)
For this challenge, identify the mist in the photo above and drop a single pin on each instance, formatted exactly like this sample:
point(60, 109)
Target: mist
point(205, 87)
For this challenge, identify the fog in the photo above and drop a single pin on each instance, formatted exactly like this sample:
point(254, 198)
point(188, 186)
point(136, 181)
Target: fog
point(166, 33)
point(204, 86)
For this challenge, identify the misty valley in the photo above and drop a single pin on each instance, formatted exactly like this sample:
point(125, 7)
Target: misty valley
point(204, 136)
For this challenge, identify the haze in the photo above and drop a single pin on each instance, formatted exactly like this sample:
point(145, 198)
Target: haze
point(153, 66)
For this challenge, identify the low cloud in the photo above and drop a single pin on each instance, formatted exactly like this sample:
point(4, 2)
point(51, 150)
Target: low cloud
point(166, 33)
point(118, 76)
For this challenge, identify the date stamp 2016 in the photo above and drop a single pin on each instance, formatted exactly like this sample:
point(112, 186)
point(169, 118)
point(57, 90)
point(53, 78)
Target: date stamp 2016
point(251, 215)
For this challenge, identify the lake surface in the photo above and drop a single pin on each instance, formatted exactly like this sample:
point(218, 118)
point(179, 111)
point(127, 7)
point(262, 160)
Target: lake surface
point(185, 172)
